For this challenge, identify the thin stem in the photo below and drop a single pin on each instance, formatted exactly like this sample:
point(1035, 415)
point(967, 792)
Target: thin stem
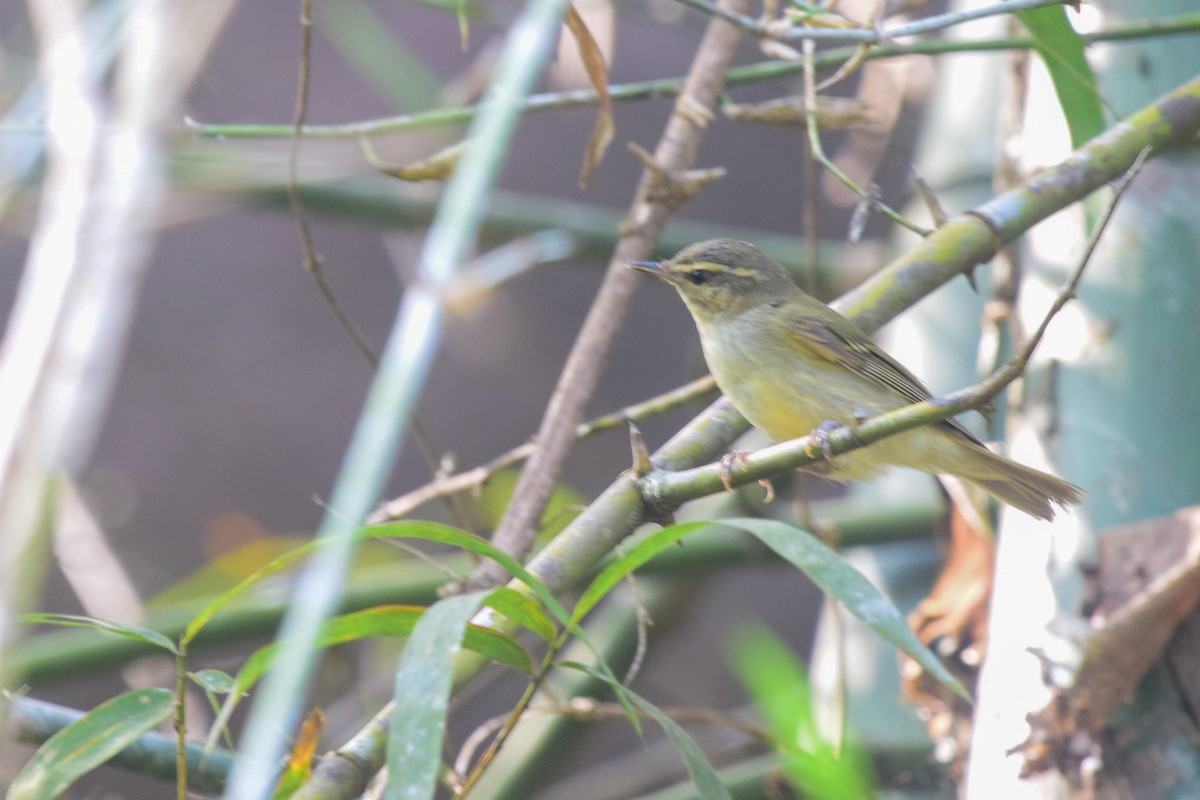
point(181, 774)
point(511, 720)
point(866, 35)
point(670, 87)
point(474, 478)
point(814, 138)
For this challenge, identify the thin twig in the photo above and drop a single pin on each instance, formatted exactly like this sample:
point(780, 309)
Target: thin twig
point(472, 479)
point(866, 35)
point(670, 87)
point(814, 138)
point(313, 263)
point(511, 720)
point(587, 710)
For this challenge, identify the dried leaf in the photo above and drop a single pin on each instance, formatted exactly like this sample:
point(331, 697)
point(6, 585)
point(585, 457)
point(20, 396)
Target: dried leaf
point(300, 760)
point(833, 113)
point(597, 72)
point(437, 167)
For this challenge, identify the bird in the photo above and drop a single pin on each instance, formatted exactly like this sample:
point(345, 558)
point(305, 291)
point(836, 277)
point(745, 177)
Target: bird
point(794, 366)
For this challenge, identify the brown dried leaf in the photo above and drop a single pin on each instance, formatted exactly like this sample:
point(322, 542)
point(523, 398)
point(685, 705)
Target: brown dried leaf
point(833, 113)
point(299, 763)
point(437, 167)
point(597, 72)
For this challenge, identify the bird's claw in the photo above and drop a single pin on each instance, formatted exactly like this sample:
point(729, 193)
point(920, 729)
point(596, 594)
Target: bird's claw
point(819, 439)
point(726, 470)
point(727, 462)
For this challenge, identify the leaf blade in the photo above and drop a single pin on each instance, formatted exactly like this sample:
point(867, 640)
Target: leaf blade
point(88, 742)
point(837, 578)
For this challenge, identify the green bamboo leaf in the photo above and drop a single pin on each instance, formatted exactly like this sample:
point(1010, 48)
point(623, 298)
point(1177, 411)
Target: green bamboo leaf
point(704, 775)
point(394, 621)
point(844, 583)
point(213, 681)
point(428, 531)
point(414, 753)
point(778, 686)
point(104, 626)
point(523, 610)
point(90, 741)
point(627, 562)
point(433, 532)
point(270, 568)
point(1062, 50)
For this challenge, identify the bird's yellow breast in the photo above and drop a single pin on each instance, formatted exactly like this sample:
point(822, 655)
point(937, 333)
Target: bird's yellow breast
point(783, 394)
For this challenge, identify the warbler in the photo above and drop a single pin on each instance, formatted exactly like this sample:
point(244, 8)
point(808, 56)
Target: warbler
point(792, 365)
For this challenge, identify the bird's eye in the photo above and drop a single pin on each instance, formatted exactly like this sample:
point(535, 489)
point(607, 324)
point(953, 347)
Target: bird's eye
point(699, 276)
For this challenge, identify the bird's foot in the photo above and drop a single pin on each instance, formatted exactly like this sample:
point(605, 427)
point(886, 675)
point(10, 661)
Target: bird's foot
point(739, 457)
point(819, 440)
point(727, 462)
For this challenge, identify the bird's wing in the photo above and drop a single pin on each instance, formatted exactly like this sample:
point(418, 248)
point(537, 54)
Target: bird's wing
point(839, 341)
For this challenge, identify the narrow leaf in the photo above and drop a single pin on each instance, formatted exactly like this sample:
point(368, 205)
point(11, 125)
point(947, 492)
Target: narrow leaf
point(437, 167)
point(423, 696)
point(395, 621)
point(597, 72)
point(703, 774)
point(629, 561)
point(778, 685)
point(428, 531)
point(104, 626)
point(90, 741)
point(837, 578)
point(1062, 50)
point(213, 681)
point(433, 532)
point(522, 610)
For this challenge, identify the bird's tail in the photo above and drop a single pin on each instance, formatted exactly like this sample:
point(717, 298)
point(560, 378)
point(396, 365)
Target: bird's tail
point(1021, 487)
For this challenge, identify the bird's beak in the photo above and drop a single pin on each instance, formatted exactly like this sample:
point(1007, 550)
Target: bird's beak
point(655, 268)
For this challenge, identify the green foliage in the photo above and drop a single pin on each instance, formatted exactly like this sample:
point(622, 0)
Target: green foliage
point(842, 582)
point(90, 741)
point(1062, 51)
point(105, 626)
point(422, 697)
point(778, 685)
point(704, 776)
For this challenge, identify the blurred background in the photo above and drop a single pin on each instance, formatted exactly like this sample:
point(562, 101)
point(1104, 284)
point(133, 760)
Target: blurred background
point(238, 388)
